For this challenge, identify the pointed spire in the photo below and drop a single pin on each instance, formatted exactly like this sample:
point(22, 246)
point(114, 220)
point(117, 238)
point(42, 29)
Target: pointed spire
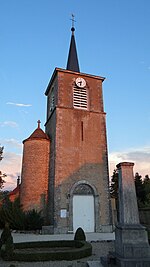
point(72, 63)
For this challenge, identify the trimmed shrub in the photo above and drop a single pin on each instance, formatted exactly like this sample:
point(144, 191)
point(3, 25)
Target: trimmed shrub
point(51, 250)
point(5, 234)
point(80, 235)
point(148, 236)
point(7, 246)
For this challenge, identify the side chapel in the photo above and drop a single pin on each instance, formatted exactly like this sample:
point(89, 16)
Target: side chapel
point(65, 168)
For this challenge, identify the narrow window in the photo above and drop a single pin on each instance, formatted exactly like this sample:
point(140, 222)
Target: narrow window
point(82, 130)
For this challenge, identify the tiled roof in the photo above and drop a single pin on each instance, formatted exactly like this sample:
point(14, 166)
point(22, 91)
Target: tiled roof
point(37, 134)
point(15, 191)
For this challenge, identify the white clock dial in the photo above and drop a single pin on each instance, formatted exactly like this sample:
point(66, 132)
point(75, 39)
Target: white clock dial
point(80, 82)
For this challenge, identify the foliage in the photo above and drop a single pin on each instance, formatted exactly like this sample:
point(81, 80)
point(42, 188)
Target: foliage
point(140, 193)
point(7, 246)
point(2, 181)
point(75, 250)
point(148, 236)
point(2, 175)
point(1, 152)
point(5, 234)
point(33, 220)
point(146, 184)
point(114, 185)
point(80, 235)
point(3, 194)
point(142, 188)
point(12, 213)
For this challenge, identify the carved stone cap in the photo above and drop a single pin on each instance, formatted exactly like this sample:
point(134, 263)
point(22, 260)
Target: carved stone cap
point(124, 164)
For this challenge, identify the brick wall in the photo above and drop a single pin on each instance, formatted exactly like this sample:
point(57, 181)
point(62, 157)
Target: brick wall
point(79, 150)
point(35, 169)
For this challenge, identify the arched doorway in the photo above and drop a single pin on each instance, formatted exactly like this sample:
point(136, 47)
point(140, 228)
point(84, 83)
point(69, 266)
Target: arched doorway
point(83, 208)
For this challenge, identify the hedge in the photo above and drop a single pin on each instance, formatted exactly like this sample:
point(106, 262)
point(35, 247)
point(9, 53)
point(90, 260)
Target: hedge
point(75, 250)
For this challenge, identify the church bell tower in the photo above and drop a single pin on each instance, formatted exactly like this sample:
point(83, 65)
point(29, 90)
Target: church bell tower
point(78, 190)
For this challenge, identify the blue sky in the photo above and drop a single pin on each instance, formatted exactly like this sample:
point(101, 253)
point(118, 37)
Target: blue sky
point(113, 40)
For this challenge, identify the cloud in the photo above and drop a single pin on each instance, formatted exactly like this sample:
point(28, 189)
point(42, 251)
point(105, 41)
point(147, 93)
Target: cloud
point(139, 156)
point(11, 142)
point(12, 124)
point(19, 104)
point(11, 165)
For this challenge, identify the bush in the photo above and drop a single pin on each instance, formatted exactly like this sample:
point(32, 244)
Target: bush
point(53, 250)
point(148, 236)
point(33, 220)
point(80, 235)
point(12, 213)
point(7, 246)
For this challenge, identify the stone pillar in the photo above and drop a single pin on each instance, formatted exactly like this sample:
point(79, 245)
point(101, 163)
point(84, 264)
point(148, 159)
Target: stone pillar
point(128, 209)
point(132, 248)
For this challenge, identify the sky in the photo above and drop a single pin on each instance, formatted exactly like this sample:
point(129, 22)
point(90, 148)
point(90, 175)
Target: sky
point(113, 41)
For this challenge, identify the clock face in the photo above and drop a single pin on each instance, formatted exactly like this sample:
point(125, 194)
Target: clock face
point(80, 82)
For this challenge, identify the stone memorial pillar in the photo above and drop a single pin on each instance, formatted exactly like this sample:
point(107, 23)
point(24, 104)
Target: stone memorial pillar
point(132, 247)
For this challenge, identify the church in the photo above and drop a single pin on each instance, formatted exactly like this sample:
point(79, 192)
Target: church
point(65, 169)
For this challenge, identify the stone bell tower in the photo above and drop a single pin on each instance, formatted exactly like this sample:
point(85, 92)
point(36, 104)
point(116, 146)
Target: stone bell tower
point(78, 190)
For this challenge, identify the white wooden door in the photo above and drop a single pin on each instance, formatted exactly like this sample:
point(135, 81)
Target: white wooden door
point(83, 212)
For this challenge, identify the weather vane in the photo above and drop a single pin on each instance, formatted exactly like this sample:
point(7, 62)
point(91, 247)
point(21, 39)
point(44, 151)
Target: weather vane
point(73, 20)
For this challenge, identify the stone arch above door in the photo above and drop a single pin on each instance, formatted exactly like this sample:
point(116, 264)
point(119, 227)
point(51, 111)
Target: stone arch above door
point(84, 187)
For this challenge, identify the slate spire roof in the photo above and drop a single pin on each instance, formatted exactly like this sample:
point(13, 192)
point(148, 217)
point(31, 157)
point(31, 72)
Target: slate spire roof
point(72, 63)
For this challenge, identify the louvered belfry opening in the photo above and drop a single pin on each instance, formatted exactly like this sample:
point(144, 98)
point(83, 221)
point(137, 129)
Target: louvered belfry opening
point(80, 98)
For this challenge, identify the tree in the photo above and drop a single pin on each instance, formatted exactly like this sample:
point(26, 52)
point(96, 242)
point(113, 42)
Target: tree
point(140, 192)
point(142, 188)
point(2, 175)
point(146, 184)
point(1, 152)
point(114, 185)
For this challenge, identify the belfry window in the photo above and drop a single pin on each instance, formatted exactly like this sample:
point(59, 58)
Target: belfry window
point(80, 98)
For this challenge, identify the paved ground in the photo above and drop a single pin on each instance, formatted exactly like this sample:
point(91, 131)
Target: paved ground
point(101, 244)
